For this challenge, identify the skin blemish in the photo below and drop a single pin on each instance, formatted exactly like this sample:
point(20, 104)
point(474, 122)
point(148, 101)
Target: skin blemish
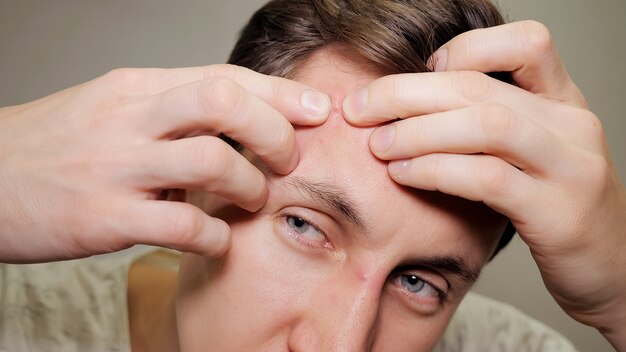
point(340, 256)
point(364, 273)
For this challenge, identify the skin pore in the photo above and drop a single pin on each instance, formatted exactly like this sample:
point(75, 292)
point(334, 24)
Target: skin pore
point(340, 258)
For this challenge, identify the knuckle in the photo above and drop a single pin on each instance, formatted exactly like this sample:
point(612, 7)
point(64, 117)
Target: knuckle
point(221, 70)
point(538, 37)
point(391, 85)
point(599, 171)
point(186, 226)
point(498, 123)
point(433, 170)
point(208, 159)
point(283, 141)
point(125, 76)
point(495, 177)
point(219, 97)
point(593, 125)
point(278, 89)
point(473, 87)
point(396, 87)
point(222, 246)
point(417, 132)
point(597, 178)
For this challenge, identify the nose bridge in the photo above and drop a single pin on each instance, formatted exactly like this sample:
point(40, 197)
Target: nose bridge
point(342, 318)
point(356, 317)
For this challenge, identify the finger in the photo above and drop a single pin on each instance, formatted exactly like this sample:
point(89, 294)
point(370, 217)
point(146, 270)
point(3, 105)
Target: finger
point(489, 129)
point(299, 103)
point(524, 48)
point(174, 225)
point(418, 94)
point(414, 94)
point(480, 178)
point(202, 162)
point(220, 105)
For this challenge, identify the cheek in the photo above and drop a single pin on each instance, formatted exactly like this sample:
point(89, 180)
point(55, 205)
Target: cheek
point(257, 287)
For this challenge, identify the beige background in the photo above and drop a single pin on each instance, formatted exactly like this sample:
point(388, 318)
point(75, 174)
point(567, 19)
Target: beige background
point(49, 45)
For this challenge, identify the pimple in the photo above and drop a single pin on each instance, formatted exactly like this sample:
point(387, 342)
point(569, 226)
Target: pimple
point(337, 95)
point(336, 109)
point(362, 275)
point(368, 274)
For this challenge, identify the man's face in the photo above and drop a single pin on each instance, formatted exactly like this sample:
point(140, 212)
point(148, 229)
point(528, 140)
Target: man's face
point(340, 258)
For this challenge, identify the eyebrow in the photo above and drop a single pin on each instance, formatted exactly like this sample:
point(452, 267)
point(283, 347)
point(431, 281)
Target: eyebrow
point(334, 198)
point(330, 195)
point(454, 265)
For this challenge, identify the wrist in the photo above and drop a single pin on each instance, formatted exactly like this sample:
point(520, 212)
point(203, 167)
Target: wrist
point(616, 338)
point(615, 329)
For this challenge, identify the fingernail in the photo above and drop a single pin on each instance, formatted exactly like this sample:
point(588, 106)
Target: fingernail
point(398, 169)
point(355, 103)
point(382, 138)
point(440, 58)
point(315, 103)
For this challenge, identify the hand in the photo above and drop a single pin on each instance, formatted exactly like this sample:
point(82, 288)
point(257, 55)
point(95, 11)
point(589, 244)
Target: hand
point(533, 153)
point(81, 171)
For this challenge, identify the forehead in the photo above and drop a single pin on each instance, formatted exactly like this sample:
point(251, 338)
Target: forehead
point(336, 145)
point(338, 153)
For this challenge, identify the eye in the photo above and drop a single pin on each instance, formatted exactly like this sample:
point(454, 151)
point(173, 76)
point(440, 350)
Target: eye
point(423, 290)
point(306, 232)
point(300, 225)
point(416, 285)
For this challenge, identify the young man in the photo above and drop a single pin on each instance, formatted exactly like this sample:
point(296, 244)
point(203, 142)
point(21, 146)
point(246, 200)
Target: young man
point(338, 255)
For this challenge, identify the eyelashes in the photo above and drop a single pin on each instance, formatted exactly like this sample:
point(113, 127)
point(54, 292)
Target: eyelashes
point(431, 283)
point(419, 286)
point(306, 232)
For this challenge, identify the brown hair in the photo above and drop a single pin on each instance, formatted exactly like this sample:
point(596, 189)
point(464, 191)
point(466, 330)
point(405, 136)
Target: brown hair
point(386, 36)
point(390, 36)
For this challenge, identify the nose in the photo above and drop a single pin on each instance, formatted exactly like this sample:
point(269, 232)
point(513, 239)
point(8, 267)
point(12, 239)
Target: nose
point(341, 316)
